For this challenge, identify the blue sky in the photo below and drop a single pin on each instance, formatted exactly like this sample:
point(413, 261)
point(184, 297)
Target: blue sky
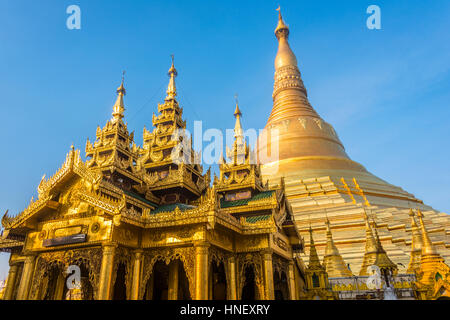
point(386, 91)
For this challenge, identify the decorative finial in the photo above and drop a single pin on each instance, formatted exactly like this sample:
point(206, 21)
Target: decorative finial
point(282, 30)
point(279, 12)
point(121, 89)
point(171, 89)
point(237, 111)
point(172, 70)
point(119, 108)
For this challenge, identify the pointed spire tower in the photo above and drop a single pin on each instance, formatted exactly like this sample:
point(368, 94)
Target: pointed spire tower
point(114, 152)
point(173, 168)
point(416, 245)
point(432, 265)
point(427, 246)
point(316, 275)
point(333, 261)
point(300, 130)
point(375, 253)
point(240, 173)
point(119, 108)
point(240, 152)
point(172, 88)
point(314, 261)
point(238, 132)
point(300, 146)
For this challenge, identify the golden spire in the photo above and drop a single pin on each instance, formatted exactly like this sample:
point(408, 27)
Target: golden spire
point(285, 56)
point(371, 244)
point(331, 249)
point(238, 132)
point(305, 141)
point(375, 253)
point(383, 261)
point(119, 107)
point(377, 237)
point(333, 261)
point(314, 260)
point(171, 89)
point(427, 245)
point(416, 245)
point(282, 30)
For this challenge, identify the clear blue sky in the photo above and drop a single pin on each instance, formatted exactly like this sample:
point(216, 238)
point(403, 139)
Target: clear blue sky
point(386, 92)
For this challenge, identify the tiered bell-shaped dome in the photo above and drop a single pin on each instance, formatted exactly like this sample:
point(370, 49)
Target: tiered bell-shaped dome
point(300, 146)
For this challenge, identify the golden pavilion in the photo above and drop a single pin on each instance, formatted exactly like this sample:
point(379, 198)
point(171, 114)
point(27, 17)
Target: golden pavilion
point(146, 223)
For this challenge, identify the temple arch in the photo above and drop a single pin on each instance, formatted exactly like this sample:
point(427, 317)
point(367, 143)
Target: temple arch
point(218, 280)
point(249, 289)
point(167, 281)
point(52, 286)
point(280, 284)
point(120, 288)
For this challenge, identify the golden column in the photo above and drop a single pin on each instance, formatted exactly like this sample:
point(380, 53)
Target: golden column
point(173, 280)
point(135, 285)
point(232, 277)
point(25, 280)
point(12, 276)
point(105, 285)
point(268, 274)
point(292, 286)
point(201, 270)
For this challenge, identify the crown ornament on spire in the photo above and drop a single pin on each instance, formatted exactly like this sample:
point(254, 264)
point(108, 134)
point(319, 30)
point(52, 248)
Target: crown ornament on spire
point(238, 134)
point(119, 108)
point(282, 29)
point(171, 88)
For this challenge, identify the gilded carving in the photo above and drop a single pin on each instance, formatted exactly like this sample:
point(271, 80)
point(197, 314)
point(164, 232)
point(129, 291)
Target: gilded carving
point(90, 258)
point(186, 256)
point(255, 261)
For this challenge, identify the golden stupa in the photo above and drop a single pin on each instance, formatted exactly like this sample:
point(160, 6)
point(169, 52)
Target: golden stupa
point(321, 180)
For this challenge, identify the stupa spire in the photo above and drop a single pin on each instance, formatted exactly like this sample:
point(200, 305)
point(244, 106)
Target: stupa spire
point(314, 260)
point(377, 237)
point(119, 108)
point(287, 74)
point(238, 132)
point(375, 253)
point(416, 245)
point(299, 131)
point(333, 261)
point(331, 248)
point(171, 88)
point(427, 245)
point(371, 243)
